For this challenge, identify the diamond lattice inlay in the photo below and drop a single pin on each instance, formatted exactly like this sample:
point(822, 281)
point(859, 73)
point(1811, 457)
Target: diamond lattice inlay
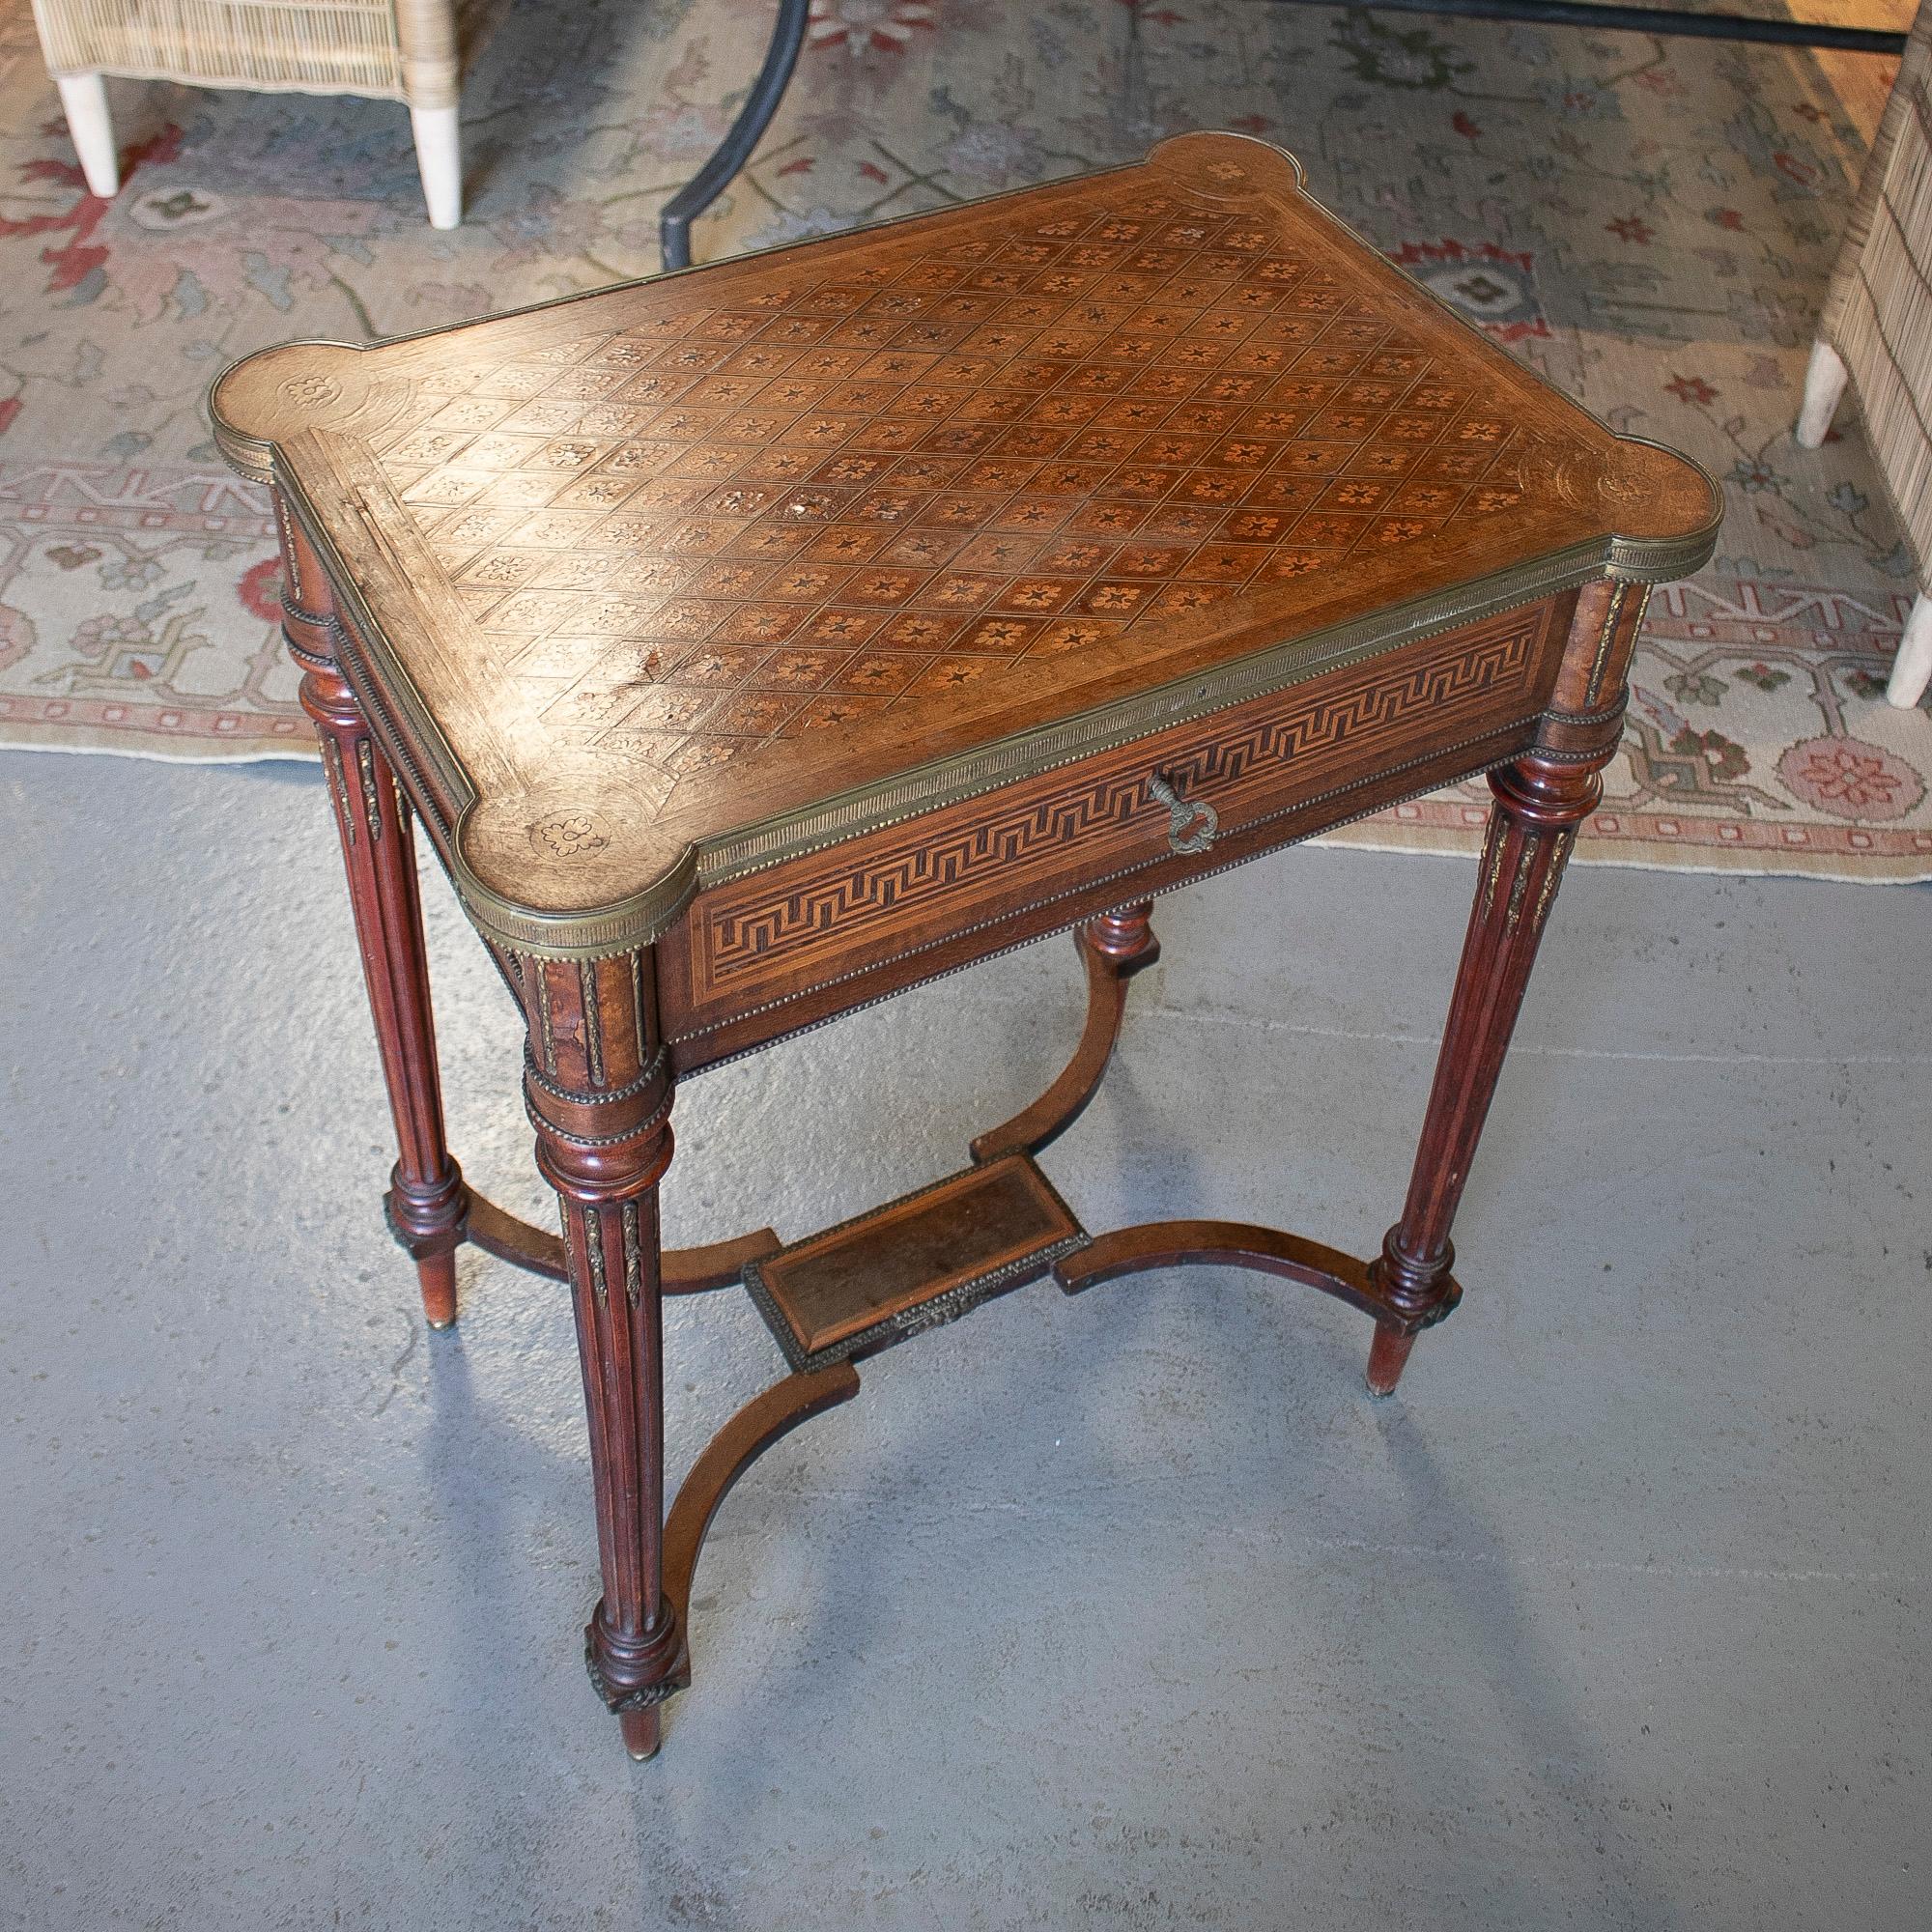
point(721, 564)
point(807, 506)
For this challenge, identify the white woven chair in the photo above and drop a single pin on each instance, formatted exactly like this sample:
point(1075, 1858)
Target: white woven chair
point(407, 50)
point(1876, 333)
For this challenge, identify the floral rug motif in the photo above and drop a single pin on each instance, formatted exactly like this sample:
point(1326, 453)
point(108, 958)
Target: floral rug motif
point(1647, 223)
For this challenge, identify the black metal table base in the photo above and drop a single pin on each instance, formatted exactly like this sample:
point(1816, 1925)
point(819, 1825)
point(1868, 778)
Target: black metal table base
point(735, 149)
point(768, 90)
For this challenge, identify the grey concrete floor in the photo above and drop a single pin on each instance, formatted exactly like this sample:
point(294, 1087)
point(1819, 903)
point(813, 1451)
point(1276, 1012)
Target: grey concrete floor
point(1127, 1611)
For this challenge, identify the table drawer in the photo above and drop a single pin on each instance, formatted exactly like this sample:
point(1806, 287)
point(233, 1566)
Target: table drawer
point(1140, 817)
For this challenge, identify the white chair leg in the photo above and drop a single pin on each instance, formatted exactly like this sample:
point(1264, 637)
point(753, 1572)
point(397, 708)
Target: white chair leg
point(84, 102)
point(1823, 384)
point(439, 157)
point(1911, 667)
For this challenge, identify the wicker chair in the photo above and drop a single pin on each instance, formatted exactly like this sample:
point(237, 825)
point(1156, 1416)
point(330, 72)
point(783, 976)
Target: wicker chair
point(409, 50)
point(1876, 333)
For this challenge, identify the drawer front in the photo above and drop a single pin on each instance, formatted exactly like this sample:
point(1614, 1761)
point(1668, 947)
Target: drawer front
point(831, 915)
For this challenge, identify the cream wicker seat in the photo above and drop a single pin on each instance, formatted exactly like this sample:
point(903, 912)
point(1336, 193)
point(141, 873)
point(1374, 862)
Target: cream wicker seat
point(407, 50)
point(1876, 333)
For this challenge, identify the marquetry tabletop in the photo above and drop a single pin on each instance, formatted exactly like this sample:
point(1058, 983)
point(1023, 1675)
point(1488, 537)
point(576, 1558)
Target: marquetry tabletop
point(677, 578)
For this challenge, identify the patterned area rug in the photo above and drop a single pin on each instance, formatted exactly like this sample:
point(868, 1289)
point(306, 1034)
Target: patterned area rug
point(1648, 223)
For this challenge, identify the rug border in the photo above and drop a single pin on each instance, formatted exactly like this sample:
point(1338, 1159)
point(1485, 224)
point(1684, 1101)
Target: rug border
point(1650, 856)
point(100, 742)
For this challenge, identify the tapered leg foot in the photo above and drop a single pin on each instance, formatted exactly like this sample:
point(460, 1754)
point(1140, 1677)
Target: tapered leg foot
point(84, 102)
point(1912, 669)
point(1388, 1357)
point(439, 140)
point(438, 1275)
point(1823, 384)
point(643, 1731)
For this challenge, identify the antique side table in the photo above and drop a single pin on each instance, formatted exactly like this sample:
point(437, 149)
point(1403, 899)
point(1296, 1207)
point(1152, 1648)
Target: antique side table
point(760, 640)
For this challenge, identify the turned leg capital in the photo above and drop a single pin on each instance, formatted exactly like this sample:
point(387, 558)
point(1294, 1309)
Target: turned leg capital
point(1549, 794)
point(597, 1083)
point(1124, 938)
point(602, 1171)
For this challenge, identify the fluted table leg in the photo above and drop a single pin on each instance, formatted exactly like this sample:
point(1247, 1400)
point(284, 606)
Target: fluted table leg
point(599, 1091)
point(426, 1200)
point(1539, 803)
